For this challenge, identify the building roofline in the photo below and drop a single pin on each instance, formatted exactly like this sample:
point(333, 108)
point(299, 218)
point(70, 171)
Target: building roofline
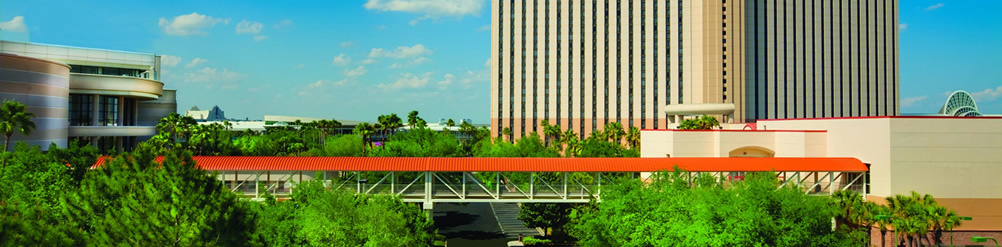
point(82, 48)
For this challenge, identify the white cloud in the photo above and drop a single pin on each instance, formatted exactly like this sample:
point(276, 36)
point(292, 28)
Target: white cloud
point(934, 6)
point(902, 26)
point(249, 27)
point(196, 62)
point(346, 44)
point(487, 64)
point(414, 22)
point(484, 28)
point(368, 61)
point(190, 24)
point(429, 8)
point(299, 66)
point(341, 60)
point(401, 52)
point(320, 85)
point(282, 24)
point(476, 76)
point(169, 61)
point(327, 83)
point(911, 101)
point(260, 37)
point(411, 63)
point(408, 81)
point(14, 25)
point(987, 95)
point(446, 82)
point(212, 77)
point(356, 72)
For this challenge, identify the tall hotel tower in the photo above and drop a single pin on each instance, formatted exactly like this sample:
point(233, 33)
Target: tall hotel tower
point(584, 63)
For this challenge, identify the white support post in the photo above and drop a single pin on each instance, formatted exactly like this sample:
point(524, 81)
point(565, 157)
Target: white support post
point(598, 191)
point(257, 186)
point(464, 183)
point(831, 183)
point(497, 184)
point(427, 187)
point(393, 182)
point(864, 184)
point(565, 185)
point(532, 185)
point(358, 182)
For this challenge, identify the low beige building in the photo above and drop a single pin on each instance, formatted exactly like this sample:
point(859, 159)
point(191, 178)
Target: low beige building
point(955, 159)
point(111, 99)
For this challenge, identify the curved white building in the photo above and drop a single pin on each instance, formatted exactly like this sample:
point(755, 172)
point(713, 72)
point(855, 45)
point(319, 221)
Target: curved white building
point(107, 98)
point(960, 104)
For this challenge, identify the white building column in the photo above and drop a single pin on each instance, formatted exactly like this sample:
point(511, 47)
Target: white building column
point(120, 114)
point(95, 109)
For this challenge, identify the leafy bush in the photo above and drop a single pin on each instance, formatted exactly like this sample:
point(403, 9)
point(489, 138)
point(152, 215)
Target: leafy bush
point(531, 241)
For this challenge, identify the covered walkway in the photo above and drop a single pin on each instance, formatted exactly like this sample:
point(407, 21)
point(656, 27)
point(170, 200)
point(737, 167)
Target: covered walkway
point(548, 180)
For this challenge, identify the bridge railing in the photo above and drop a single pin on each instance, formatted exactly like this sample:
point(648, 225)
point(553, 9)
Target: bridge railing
point(544, 187)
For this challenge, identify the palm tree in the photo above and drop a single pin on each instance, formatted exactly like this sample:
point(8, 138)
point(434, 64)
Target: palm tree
point(615, 132)
point(175, 126)
point(571, 139)
point(388, 123)
point(598, 135)
point(467, 130)
point(507, 132)
point(393, 122)
point(364, 130)
point(633, 137)
point(412, 119)
point(551, 131)
point(449, 124)
point(14, 118)
point(882, 223)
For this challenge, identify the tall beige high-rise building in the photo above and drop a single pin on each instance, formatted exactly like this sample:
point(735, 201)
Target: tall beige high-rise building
point(583, 63)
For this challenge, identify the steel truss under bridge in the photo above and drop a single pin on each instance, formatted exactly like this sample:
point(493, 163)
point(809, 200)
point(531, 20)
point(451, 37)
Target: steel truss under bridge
point(523, 187)
point(545, 180)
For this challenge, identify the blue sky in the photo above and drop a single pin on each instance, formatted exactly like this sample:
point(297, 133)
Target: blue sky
point(359, 59)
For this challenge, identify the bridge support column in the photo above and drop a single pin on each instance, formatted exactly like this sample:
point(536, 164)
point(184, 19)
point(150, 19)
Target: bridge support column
point(428, 205)
point(428, 209)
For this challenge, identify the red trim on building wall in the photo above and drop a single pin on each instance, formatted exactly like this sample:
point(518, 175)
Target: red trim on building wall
point(733, 130)
point(878, 117)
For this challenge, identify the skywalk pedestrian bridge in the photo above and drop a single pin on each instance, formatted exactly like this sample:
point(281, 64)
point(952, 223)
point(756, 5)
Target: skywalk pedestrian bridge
point(532, 180)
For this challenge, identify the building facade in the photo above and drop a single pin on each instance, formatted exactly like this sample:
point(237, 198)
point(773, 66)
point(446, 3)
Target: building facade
point(954, 159)
point(92, 95)
point(814, 59)
point(583, 63)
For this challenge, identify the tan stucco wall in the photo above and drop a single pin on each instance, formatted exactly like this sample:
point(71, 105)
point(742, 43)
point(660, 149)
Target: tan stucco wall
point(680, 143)
point(867, 139)
point(947, 157)
point(944, 157)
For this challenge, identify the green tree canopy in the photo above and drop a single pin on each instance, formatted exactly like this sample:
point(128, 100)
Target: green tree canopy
point(701, 123)
point(670, 212)
point(134, 201)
